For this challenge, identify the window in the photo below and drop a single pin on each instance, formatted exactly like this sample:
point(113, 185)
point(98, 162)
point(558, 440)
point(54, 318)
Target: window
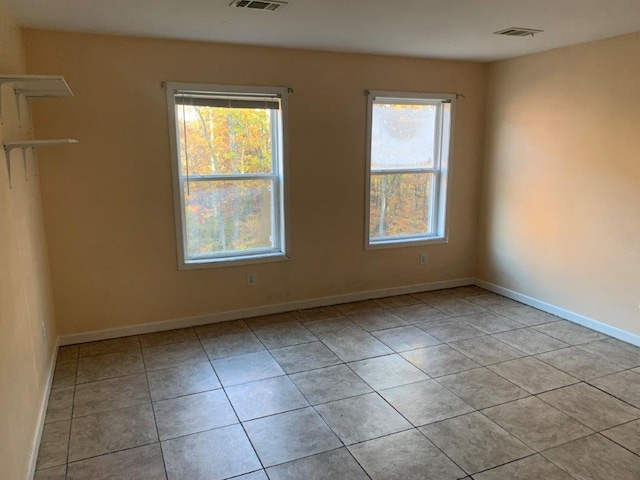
point(229, 155)
point(408, 145)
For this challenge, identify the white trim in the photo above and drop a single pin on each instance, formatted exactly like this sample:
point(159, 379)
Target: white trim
point(35, 446)
point(591, 323)
point(411, 96)
point(178, 203)
point(212, 262)
point(257, 311)
point(280, 207)
point(401, 242)
point(440, 193)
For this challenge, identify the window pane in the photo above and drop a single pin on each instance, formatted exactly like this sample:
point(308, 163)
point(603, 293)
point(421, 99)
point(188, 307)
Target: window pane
point(218, 140)
point(228, 216)
point(403, 136)
point(400, 205)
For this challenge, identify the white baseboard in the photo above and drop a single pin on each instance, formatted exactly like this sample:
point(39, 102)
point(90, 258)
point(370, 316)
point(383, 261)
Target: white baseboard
point(43, 412)
point(256, 311)
point(562, 313)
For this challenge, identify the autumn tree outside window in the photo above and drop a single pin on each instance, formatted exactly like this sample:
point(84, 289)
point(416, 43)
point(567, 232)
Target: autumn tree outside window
point(408, 163)
point(229, 158)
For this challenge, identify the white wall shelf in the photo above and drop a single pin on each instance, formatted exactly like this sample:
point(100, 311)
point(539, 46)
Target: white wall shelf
point(24, 145)
point(34, 86)
point(28, 87)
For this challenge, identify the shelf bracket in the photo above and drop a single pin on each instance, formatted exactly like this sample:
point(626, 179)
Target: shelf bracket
point(27, 98)
point(16, 95)
point(33, 145)
point(7, 157)
point(33, 86)
point(7, 154)
point(30, 112)
point(24, 163)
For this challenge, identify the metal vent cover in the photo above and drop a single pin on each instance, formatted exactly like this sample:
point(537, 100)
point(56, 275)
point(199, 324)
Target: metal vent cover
point(518, 32)
point(269, 5)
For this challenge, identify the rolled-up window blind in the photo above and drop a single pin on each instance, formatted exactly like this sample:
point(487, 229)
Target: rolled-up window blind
point(227, 101)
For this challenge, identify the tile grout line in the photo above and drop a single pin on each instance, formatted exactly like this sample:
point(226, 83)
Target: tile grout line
point(307, 400)
point(317, 413)
point(556, 465)
point(609, 393)
point(399, 413)
point(226, 395)
point(594, 434)
point(509, 463)
point(73, 406)
point(594, 430)
point(153, 410)
point(618, 443)
point(106, 411)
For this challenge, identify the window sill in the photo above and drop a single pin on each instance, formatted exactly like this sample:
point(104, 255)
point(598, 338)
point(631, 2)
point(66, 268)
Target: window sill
point(232, 261)
point(400, 243)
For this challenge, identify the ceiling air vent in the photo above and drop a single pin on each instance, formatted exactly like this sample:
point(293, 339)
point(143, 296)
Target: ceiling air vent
point(518, 32)
point(270, 5)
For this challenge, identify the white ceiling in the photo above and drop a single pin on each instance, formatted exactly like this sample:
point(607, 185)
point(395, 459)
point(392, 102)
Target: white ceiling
point(456, 29)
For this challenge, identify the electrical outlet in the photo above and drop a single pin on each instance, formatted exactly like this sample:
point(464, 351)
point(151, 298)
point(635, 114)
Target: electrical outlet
point(423, 259)
point(251, 279)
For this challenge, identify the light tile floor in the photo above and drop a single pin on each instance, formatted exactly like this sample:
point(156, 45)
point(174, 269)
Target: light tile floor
point(445, 385)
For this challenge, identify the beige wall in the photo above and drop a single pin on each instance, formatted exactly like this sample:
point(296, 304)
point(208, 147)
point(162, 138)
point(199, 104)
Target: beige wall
point(109, 205)
point(561, 204)
point(25, 293)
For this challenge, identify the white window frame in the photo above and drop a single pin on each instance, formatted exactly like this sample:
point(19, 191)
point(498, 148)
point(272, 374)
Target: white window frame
point(440, 193)
point(280, 194)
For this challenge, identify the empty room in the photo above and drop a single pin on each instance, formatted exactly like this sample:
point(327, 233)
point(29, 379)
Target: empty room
point(284, 240)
